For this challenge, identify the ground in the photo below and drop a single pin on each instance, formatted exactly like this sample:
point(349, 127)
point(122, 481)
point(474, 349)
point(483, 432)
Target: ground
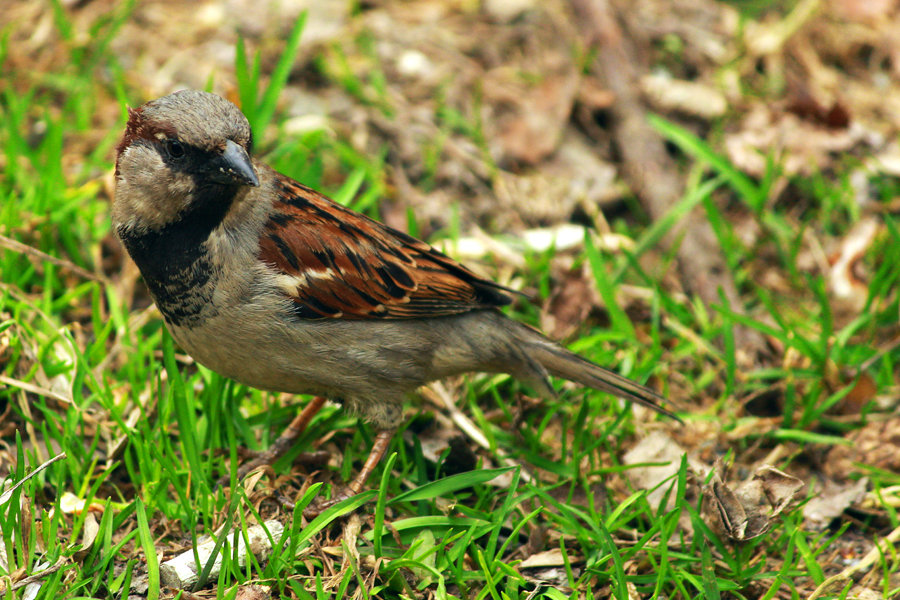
point(701, 196)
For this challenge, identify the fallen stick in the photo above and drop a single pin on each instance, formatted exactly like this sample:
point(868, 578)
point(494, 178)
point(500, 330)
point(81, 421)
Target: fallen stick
point(17, 246)
point(34, 579)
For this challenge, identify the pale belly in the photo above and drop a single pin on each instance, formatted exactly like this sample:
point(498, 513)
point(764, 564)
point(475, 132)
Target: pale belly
point(335, 359)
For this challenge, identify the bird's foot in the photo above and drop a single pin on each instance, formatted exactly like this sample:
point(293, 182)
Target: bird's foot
point(317, 508)
point(284, 442)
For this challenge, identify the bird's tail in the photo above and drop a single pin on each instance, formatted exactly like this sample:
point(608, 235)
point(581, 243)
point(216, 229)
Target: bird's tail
point(559, 362)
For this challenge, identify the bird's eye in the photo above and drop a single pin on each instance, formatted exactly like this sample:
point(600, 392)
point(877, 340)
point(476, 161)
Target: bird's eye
point(174, 149)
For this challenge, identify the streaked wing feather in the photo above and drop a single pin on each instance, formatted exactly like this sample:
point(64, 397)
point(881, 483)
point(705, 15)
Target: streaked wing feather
point(336, 263)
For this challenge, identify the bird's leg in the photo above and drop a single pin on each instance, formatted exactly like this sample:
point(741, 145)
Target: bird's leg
point(286, 440)
point(379, 447)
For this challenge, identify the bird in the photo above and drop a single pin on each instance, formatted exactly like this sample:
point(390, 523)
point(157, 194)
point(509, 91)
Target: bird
point(272, 284)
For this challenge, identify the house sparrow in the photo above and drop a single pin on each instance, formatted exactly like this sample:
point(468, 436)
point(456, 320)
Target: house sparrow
point(270, 283)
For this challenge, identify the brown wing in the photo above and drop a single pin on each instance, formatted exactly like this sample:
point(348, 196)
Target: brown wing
point(336, 263)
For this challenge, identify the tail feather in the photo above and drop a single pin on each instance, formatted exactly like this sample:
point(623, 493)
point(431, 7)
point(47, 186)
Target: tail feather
point(562, 363)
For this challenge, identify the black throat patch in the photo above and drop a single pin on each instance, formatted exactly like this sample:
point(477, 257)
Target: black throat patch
point(174, 260)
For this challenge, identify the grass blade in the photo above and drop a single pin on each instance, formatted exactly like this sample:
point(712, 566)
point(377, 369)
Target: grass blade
point(449, 484)
point(146, 540)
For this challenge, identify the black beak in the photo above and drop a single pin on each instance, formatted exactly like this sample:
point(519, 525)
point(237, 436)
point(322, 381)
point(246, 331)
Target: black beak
point(233, 166)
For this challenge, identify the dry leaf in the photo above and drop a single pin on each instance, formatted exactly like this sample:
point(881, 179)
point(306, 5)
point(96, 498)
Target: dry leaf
point(252, 592)
point(738, 518)
point(532, 114)
point(657, 447)
point(570, 303)
point(848, 288)
point(863, 391)
point(799, 145)
point(71, 504)
point(832, 501)
point(548, 558)
point(779, 487)
point(748, 510)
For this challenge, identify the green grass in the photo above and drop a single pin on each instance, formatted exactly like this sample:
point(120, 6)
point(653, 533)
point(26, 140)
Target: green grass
point(146, 433)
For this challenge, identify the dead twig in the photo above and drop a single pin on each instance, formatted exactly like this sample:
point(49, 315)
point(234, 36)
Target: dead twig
point(7, 494)
point(34, 389)
point(36, 577)
point(16, 246)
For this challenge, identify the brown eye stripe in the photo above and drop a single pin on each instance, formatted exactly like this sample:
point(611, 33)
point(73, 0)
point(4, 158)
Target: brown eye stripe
point(139, 128)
